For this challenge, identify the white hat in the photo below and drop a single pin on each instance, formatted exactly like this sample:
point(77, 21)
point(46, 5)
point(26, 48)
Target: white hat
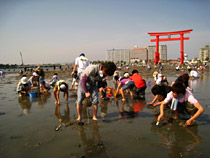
point(24, 80)
point(126, 75)
point(34, 74)
point(63, 86)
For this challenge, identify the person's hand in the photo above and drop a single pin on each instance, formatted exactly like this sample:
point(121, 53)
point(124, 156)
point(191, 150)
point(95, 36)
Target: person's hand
point(72, 73)
point(87, 95)
point(188, 122)
point(151, 103)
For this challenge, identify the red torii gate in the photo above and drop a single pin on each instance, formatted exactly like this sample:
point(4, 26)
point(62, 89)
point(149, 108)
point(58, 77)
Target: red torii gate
point(181, 38)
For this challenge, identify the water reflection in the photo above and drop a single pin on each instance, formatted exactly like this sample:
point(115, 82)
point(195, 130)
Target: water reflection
point(180, 141)
point(129, 108)
point(25, 104)
point(104, 107)
point(64, 118)
point(41, 99)
point(92, 144)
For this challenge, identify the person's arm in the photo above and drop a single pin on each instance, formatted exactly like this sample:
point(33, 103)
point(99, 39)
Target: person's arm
point(75, 68)
point(154, 100)
point(118, 87)
point(83, 82)
point(51, 79)
point(161, 111)
point(196, 115)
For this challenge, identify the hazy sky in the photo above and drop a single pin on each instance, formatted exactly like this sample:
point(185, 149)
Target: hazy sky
point(57, 31)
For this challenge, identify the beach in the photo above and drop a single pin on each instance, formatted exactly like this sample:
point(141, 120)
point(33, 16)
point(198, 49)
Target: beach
point(37, 127)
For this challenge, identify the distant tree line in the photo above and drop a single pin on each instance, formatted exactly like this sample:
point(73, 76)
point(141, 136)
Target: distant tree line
point(8, 66)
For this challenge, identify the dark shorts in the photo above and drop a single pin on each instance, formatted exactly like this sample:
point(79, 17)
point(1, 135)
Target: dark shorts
point(187, 108)
point(141, 90)
point(116, 78)
point(81, 95)
point(129, 85)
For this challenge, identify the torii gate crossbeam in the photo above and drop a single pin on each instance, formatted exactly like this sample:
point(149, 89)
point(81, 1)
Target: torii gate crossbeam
point(181, 38)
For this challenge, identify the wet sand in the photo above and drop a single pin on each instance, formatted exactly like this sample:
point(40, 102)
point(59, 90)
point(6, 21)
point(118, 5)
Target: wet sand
point(38, 128)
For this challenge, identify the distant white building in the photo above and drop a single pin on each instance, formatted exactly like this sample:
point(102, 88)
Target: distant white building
point(138, 55)
point(162, 52)
point(130, 56)
point(204, 53)
point(118, 55)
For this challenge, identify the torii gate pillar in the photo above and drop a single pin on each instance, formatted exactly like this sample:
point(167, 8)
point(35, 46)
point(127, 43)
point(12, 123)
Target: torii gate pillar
point(181, 38)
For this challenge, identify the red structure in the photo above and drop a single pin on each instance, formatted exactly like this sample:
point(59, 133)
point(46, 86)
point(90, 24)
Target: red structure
point(181, 38)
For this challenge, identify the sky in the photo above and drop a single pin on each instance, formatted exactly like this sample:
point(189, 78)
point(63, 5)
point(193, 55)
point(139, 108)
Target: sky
point(57, 31)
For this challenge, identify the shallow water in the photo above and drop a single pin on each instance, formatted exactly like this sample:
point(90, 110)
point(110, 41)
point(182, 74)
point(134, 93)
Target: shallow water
point(28, 127)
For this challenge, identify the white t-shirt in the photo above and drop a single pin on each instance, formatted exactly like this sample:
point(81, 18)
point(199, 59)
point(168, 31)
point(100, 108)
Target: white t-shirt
point(194, 73)
point(159, 80)
point(55, 78)
point(81, 62)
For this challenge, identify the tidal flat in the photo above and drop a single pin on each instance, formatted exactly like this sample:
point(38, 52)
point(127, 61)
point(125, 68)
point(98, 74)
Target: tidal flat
point(37, 127)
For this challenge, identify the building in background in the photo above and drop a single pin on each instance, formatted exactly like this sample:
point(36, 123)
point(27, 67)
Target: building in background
point(162, 52)
point(119, 56)
point(204, 53)
point(138, 55)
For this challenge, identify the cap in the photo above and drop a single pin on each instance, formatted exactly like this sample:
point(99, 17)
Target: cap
point(126, 75)
point(82, 54)
point(24, 80)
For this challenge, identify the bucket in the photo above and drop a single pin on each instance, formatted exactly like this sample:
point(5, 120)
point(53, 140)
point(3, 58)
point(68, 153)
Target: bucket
point(115, 93)
point(32, 94)
point(109, 90)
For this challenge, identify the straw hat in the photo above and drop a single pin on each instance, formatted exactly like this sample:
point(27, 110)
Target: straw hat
point(24, 80)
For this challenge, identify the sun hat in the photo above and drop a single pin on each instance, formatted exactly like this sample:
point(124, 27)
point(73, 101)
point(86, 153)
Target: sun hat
point(189, 67)
point(34, 74)
point(24, 80)
point(82, 54)
point(63, 87)
point(126, 75)
point(155, 73)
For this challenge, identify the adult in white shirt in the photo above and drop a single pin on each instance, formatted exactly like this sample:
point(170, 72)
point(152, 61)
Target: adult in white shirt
point(193, 73)
point(81, 63)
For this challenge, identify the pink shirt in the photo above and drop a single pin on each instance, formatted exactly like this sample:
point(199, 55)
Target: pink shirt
point(187, 97)
point(123, 81)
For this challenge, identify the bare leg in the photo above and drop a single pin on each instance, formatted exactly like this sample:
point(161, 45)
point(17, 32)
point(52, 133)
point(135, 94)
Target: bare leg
point(131, 93)
point(76, 88)
point(79, 112)
point(95, 109)
point(67, 96)
point(123, 95)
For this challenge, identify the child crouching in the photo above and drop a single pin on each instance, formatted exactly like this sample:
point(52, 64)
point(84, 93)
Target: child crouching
point(179, 94)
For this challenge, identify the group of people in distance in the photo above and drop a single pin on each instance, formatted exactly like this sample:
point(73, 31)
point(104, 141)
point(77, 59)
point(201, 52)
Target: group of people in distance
point(90, 80)
point(37, 80)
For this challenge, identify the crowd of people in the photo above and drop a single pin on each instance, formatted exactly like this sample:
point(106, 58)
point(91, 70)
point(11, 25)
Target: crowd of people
point(90, 81)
